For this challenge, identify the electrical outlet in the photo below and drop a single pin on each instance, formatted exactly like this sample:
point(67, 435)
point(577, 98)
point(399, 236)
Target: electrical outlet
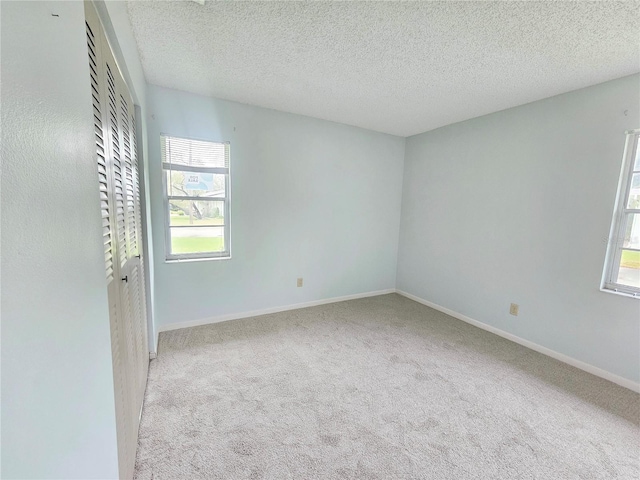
point(513, 309)
point(300, 282)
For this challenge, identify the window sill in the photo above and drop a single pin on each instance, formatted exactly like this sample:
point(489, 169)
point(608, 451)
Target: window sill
point(622, 294)
point(188, 260)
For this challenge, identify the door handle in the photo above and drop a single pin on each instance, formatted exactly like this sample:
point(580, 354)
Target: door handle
point(125, 279)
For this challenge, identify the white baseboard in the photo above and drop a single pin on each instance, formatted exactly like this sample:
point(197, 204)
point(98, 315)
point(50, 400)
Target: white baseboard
point(265, 311)
point(157, 340)
point(599, 372)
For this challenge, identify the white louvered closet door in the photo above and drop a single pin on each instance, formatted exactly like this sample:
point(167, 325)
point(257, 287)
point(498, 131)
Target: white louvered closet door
point(114, 122)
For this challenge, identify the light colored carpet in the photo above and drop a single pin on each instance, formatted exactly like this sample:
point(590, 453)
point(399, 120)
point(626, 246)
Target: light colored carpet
point(377, 388)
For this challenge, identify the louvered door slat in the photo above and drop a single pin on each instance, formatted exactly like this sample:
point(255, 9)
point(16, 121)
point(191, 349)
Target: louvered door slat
point(117, 166)
point(129, 358)
point(137, 333)
point(132, 227)
point(141, 264)
point(136, 347)
point(132, 356)
point(120, 395)
point(142, 326)
point(118, 188)
point(103, 182)
point(102, 130)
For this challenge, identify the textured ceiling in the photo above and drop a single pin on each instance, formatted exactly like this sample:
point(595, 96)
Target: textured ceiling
point(395, 67)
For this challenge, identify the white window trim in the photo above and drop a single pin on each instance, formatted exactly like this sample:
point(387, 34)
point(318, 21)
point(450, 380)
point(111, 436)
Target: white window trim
point(616, 234)
point(204, 256)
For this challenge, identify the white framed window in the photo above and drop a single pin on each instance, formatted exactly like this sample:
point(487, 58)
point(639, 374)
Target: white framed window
point(622, 265)
point(196, 198)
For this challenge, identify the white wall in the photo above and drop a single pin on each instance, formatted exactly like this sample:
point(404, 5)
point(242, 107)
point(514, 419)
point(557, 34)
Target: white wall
point(516, 207)
point(310, 198)
point(58, 417)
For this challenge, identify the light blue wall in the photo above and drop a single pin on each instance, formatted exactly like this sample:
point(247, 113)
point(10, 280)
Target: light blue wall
point(310, 198)
point(516, 207)
point(58, 411)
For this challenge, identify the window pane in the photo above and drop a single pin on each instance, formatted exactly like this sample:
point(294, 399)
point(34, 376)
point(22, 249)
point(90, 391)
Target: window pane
point(193, 184)
point(195, 212)
point(197, 240)
point(636, 165)
point(634, 192)
point(632, 231)
point(183, 151)
point(629, 271)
